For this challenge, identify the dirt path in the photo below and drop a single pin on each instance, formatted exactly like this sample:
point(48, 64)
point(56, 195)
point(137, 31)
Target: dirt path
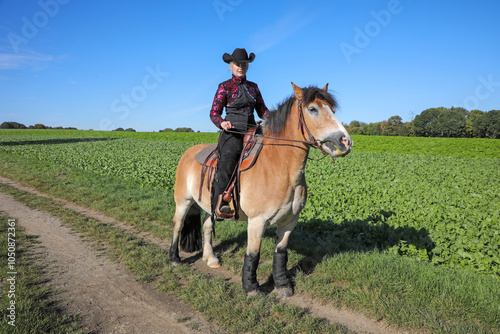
point(108, 297)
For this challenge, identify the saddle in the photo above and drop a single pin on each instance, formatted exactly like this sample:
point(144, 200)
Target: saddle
point(252, 145)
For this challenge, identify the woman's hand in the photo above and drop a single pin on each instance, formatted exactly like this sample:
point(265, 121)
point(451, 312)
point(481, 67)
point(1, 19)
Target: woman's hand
point(226, 125)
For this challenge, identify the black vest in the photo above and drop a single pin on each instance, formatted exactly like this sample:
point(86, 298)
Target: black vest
point(240, 113)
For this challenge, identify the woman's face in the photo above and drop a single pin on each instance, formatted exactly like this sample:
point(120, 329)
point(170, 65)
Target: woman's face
point(239, 69)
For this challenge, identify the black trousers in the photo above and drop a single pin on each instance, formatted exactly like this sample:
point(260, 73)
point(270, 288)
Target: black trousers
point(229, 151)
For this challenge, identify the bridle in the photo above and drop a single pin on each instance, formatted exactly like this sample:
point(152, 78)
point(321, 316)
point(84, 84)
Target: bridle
point(309, 140)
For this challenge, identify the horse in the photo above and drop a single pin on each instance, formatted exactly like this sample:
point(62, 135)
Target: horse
point(272, 192)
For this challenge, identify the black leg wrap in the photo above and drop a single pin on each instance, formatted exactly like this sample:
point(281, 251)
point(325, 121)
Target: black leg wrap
point(174, 253)
point(279, 270)
point(249, 275)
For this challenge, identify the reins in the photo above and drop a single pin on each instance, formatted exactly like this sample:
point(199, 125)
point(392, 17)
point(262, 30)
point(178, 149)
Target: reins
point(269, 137)
point(302, 126)
point(232, 190)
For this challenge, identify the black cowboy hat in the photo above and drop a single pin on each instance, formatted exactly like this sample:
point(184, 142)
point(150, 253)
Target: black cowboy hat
point(238, 56)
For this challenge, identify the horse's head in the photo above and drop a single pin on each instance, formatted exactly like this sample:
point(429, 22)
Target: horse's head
point(318, 122)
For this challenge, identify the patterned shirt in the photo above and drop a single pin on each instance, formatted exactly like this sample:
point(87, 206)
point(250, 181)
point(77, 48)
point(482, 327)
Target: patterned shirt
point(226, 94)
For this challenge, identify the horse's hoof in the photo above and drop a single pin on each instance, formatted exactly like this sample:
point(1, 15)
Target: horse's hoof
point(254, 293)
point(214, 264)
point(285, 292)
point(175, 262)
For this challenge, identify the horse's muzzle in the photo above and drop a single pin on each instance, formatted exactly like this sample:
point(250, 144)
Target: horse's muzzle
point(337, 144)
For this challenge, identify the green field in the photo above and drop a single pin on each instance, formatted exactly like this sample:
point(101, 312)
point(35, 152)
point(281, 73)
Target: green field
point(401, 226)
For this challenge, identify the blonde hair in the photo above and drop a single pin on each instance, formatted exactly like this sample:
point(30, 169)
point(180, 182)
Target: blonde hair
point(234, 63)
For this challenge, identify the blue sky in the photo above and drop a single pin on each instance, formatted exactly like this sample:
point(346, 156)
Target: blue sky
point(152, 65)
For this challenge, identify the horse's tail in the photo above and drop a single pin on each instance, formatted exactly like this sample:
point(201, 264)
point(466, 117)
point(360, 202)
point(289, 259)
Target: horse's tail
point(191, 239)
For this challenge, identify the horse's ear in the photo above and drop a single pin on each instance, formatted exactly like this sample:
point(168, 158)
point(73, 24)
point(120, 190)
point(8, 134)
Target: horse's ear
point(298, 91)
point(325, 88)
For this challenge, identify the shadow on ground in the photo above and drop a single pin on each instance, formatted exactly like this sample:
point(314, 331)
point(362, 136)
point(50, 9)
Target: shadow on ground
point(52, 141)
point(316, 239)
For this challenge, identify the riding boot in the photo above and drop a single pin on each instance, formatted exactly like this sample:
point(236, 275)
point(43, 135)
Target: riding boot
point(229, 150)
point(216, 200)
point(215, 193)
point(249, 275)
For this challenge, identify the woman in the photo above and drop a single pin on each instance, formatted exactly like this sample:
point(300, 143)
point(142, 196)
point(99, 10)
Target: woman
point(240, 97)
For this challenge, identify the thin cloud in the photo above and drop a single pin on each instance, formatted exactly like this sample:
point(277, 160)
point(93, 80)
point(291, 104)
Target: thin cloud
point(283, 29)
point(8, 114)
point(195, 110)
point(22, 60)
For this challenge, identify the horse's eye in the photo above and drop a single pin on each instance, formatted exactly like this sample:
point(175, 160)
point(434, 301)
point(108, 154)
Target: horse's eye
point(313, 110)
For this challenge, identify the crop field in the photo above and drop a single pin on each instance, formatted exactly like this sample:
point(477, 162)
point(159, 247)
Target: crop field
point(393, 210)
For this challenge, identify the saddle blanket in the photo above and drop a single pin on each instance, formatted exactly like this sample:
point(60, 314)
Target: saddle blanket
point(208, 156)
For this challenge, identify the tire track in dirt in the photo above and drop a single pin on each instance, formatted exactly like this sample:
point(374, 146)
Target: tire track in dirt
point(353, 320)
point(107, 297)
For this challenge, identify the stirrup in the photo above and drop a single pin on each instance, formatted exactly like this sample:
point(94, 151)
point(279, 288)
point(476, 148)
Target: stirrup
point(224, 211)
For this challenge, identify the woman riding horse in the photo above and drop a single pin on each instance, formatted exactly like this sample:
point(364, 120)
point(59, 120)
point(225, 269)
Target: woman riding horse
point(240, 97)
point(307, 119)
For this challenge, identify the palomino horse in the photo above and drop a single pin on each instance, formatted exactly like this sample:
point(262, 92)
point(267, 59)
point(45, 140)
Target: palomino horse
point(273, 191)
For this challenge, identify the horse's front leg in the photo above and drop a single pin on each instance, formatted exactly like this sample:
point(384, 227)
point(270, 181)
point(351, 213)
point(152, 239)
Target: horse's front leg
point(280, 258)
point(208, 252)
point(249, 275)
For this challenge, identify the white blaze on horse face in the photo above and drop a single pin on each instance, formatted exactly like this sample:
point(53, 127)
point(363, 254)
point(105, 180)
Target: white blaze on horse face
point(326, 117)
point(339, 125)
point(336, 140)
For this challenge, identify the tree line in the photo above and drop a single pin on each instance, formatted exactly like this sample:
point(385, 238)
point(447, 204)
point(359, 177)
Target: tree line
point(183, 129)
point(16, 125)
point(436, 122)
point(432, 122)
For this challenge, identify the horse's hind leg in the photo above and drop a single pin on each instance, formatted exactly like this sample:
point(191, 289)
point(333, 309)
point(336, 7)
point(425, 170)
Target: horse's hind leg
point(280, 259)
point(208, 252)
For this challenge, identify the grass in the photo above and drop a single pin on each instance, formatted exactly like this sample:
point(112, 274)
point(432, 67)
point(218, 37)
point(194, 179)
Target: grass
point(219, 300)
point(36, 306)
point(405, 292)
point(464, 147)
point(204, 137)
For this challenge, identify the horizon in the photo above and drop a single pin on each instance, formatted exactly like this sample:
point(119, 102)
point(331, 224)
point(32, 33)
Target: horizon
point(57, 127)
